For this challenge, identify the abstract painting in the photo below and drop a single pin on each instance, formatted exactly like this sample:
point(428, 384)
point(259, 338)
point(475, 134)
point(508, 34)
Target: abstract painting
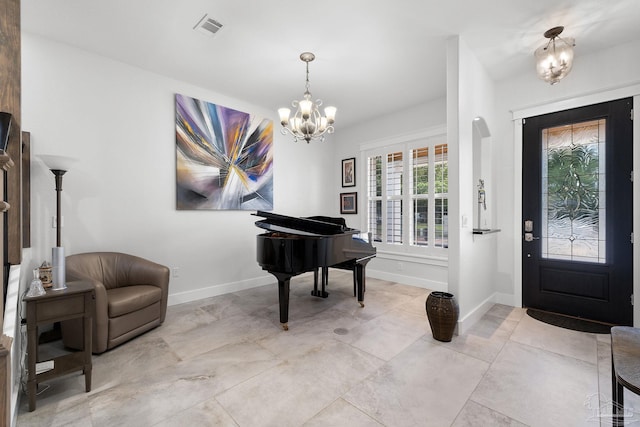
point(224, 158)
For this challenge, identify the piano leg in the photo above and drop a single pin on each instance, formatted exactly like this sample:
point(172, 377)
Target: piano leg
point(283, 298)
point(361, 278)
point(355, 281)
point(360, 285)
point(325, 278)
point(315, 281)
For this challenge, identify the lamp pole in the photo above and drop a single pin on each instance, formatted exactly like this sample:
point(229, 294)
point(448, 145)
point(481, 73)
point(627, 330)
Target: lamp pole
point(58, 174)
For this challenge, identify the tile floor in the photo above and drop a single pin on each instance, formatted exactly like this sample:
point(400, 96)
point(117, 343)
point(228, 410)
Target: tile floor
point(225, 361)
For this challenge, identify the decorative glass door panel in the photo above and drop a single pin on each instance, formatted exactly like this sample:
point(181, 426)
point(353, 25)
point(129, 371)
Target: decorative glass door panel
point(573, 192)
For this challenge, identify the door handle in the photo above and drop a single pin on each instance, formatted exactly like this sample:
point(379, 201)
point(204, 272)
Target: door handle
point(528, 237)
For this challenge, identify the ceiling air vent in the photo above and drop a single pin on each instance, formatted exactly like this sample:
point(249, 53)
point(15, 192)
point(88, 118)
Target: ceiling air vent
point(208, 26)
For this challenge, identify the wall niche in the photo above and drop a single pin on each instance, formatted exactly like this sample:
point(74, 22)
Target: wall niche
point(482, 178)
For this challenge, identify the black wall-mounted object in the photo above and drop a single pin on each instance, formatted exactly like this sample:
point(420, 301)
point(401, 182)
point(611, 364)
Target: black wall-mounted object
point(5, 129)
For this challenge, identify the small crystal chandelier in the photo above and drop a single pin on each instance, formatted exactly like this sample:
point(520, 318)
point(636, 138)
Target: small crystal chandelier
point(555, 58)
point(307, 123)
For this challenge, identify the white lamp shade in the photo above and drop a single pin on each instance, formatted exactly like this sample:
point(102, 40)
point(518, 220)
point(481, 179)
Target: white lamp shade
point(554, 60)
point(55, 162)
point(330, 112)
point(305, 108)
point(295, 124)
point(323, 124)
point(284, 115)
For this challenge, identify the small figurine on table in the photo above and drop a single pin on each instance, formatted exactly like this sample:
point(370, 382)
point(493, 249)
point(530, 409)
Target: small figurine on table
point(46, 274)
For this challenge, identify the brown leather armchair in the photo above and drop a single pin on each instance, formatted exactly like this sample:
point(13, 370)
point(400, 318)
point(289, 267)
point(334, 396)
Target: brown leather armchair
point(130, 293)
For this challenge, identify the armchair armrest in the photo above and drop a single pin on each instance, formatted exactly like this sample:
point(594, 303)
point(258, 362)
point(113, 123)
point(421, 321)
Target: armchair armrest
point(145, 272)
point(100, 316)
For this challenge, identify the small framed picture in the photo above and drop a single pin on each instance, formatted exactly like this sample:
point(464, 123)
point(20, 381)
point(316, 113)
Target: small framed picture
point(348, 203)
point(349, 172)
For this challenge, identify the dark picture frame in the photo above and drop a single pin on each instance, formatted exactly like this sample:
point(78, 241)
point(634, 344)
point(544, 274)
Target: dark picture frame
point(349, 172)
point(348, 203)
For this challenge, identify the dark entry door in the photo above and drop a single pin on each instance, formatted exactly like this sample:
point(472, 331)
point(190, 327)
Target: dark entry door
point(577, 254)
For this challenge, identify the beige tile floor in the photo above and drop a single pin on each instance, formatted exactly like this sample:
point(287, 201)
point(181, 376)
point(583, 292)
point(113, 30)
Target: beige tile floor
point(225, 361)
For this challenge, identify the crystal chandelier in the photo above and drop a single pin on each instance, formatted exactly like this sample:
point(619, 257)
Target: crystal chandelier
point(555, 58)
point(307, 123)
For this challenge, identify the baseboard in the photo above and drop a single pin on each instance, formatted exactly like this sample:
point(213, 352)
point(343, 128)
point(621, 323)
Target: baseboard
point(506, 299)
point(465, 323)
point(212, 291)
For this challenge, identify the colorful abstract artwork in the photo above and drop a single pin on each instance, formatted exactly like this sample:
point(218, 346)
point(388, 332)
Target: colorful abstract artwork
point(224, 158)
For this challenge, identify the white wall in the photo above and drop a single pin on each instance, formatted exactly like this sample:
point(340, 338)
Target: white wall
point(608, 75)
point(472, 258)
point(118, 121)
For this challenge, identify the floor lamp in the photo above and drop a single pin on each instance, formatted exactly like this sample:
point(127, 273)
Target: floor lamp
point(59, 165)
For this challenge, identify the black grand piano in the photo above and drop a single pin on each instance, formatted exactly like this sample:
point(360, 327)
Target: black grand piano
point(294, 246)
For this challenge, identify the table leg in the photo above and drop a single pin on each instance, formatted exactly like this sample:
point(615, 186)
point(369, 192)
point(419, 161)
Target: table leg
point(32, 349)
point(87, 352)
point(617, 396)
point(619, 402)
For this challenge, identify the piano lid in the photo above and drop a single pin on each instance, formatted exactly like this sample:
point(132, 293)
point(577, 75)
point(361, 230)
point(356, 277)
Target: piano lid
point(306, 226)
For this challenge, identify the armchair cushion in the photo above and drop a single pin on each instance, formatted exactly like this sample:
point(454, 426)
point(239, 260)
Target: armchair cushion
point(131, 298)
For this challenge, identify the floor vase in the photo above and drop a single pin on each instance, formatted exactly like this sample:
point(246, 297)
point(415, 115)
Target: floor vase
point(442, 312)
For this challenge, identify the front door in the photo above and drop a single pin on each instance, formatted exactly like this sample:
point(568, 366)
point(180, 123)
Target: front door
point(577, 211)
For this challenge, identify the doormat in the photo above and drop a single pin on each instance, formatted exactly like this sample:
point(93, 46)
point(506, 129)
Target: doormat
point(567, 322)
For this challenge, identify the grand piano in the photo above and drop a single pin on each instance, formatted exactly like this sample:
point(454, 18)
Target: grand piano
point(293, 246)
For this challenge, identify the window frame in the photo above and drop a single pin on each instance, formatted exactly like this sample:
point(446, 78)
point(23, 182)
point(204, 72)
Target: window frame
point(405, 146)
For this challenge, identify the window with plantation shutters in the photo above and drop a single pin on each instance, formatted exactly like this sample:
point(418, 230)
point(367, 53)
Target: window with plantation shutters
point(407, 195)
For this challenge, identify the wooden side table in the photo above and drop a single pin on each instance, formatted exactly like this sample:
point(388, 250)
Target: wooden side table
point(76, 301)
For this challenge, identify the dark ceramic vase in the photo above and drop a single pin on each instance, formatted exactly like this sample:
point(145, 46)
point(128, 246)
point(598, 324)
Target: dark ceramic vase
point(442, 312)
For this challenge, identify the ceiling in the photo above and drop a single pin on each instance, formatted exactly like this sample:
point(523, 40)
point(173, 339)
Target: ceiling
point(372, 57)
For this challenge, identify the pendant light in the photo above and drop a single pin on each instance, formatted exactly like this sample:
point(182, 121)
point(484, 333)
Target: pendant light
point(554, 59)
